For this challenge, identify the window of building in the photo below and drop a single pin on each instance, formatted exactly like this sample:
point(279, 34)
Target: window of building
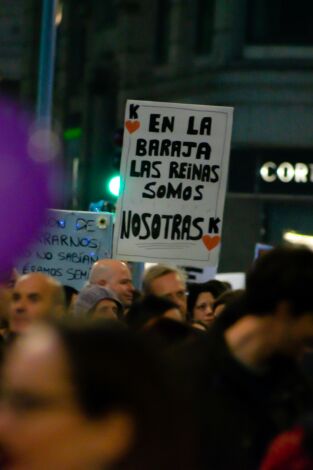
point(162, 39)
point(279, 22)
point(205, 11)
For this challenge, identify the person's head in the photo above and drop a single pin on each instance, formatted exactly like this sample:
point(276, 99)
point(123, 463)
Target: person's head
point(115, 275)
point(35, 296)
point(225, 299)
point(70, 298)
point(96, 302)
point(201, 299)
point(78, 397)
point(168, 282)
point(279, 283)
point(285, 274)
point(144, 312)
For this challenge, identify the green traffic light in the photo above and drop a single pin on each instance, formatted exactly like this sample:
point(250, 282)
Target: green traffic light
point(73, 133)
point(114, 185)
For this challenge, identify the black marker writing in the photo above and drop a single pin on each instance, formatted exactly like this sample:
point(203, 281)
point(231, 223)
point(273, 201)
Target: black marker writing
point(168, 227)
point(203, 128)
point(172, 148)
point(166, 125)
point(172, 191)
point(146, 168)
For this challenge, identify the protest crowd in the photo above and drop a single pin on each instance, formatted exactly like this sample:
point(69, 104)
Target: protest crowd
point(156, 260)
point(99, 375)
point(177, 375)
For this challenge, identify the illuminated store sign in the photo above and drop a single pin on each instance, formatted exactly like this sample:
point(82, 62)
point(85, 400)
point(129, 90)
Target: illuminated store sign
point(287, 172)
point(271, 171)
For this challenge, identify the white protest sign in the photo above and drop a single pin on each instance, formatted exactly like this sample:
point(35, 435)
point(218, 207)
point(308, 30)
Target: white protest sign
point(69, 244)
point(198, 275)
point(174, 172)
point(193, 274)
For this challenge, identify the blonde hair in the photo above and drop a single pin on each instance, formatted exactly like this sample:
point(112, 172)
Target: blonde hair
point(159, 270)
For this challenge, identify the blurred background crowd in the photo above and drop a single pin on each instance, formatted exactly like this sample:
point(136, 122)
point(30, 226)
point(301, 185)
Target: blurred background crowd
point(176, 375)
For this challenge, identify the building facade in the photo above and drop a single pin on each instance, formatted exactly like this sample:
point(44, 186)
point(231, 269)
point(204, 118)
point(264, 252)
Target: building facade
point(254, 55)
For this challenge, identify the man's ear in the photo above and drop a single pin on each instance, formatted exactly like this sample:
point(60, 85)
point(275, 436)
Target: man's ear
point(102, 282)
point(114, 436)
point(283, 310)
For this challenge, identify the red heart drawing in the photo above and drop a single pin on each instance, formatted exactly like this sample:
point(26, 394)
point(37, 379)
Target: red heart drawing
point(132, 126)
point(211, 242)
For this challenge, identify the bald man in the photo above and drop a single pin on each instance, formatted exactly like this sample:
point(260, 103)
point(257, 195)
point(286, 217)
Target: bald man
point(115, 275)
point(35, 296)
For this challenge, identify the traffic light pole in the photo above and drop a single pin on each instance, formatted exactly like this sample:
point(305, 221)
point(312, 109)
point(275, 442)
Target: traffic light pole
point(46, 62)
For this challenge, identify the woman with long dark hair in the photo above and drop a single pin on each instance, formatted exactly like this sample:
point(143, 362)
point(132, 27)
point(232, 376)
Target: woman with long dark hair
point(87, 397)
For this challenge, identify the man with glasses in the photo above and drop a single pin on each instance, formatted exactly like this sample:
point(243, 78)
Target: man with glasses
point(169, 282)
